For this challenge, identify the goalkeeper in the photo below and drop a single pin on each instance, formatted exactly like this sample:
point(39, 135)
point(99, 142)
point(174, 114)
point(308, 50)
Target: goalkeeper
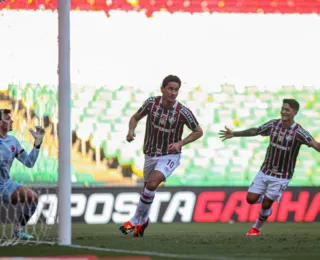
point(10, 191)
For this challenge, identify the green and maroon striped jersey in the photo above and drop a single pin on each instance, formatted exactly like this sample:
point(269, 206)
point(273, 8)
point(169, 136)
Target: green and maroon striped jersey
point(164, 125)
point(283, 148)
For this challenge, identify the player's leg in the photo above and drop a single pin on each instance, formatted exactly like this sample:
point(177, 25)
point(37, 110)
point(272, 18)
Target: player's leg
point(30, 199)
point(146, 201)
point(163, 169)
point(257, 189)
point(165, 165)
point(265, 212)
point(15, 193)
point(274, 193)
point(255, 195)
point(149, 165)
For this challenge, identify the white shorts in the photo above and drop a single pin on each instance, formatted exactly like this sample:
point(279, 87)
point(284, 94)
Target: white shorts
point(165, 164)
point(271, 186)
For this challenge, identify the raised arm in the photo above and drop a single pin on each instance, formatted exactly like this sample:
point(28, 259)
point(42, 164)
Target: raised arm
point(315, 145)
point(263, 130)
point(227, 134)
point(30, 159)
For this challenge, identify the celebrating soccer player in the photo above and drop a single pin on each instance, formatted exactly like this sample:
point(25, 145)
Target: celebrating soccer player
point(166, 118)
point(13, 192)
point(286, 138)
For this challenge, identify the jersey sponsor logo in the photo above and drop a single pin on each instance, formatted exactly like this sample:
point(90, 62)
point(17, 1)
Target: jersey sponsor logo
point(96, 206)
point(162, 129)
point(281, 147)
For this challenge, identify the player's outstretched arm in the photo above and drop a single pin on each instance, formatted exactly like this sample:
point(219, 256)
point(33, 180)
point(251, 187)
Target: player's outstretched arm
point(132, 126)
point(227, 134)
point(316, 145)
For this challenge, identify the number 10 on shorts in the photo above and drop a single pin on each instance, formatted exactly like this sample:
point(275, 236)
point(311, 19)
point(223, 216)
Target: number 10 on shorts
point(170, 163)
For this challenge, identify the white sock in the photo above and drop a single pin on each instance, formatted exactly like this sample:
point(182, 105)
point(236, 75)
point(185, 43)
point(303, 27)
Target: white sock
point(145, 215)
point(145, 202)
point(264, 214)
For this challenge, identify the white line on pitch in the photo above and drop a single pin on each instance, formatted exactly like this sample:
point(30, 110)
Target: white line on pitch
point(147, 253)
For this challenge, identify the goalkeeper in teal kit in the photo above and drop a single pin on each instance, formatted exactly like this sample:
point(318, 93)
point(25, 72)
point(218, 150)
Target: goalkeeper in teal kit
point(10, 191)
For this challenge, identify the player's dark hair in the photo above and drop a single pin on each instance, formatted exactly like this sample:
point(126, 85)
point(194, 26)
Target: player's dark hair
point(292, 103)
point(170, 78)
point(4, 112)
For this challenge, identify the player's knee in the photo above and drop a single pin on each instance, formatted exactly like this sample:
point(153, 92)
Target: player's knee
point(251, 199)
point(152, 185)
point(33, 198)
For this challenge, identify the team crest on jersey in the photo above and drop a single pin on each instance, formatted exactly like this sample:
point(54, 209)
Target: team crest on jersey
point(172, 119)
point(289, 138)
point(13, 148)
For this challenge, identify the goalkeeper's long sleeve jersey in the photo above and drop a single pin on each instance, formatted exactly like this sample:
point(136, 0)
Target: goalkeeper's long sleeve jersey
point(10, 148)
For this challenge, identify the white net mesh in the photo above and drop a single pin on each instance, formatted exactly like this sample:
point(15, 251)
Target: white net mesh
point(31, 106)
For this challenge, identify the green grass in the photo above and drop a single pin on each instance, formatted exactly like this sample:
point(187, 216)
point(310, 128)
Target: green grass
point(206, 241)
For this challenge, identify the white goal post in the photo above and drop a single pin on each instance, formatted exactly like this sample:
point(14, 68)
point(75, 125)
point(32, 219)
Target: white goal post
point(64, 181)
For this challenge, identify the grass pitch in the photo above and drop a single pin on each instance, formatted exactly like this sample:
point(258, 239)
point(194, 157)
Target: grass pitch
point(294, 241)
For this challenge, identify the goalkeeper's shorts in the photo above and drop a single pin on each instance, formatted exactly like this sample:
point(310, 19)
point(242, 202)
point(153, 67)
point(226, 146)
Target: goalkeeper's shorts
point(7, 188)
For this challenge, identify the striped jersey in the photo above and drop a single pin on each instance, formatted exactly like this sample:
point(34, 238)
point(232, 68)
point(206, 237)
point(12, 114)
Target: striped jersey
point(10, 149)
point(283, 148)
point(164, 125)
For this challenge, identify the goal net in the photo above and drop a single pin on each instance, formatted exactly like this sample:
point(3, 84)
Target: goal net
point(28, 86)
point(31, 106)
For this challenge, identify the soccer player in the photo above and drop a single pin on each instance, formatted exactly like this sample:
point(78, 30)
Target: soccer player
point(166, 118)
point(286, 138)
point(10, 191)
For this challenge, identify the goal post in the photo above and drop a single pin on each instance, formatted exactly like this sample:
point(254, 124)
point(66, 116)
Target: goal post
point(64, 180)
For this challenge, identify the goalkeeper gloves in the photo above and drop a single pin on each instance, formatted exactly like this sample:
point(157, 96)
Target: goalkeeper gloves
point(38, 136)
